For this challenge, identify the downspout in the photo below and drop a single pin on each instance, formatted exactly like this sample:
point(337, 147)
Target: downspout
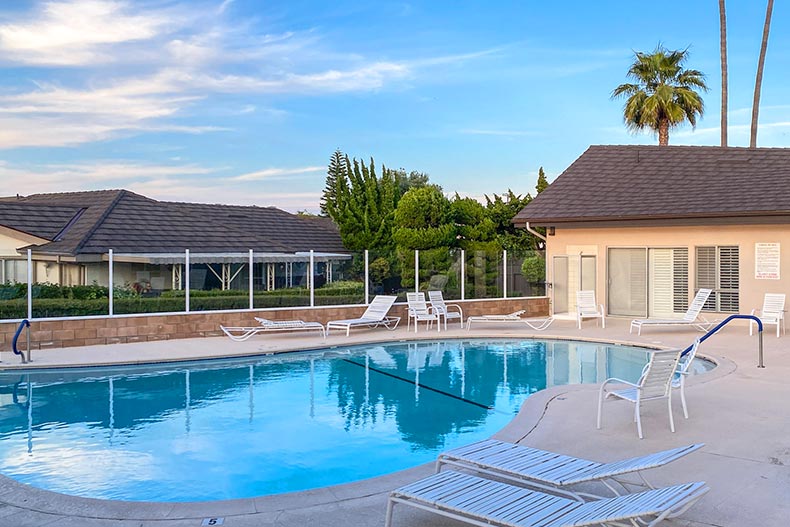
point(545, 260)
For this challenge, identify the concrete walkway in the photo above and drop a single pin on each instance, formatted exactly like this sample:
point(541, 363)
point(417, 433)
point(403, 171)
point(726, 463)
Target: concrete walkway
point(741, 412)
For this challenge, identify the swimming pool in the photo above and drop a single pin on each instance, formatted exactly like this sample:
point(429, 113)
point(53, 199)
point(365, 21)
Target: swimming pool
point(239, 428)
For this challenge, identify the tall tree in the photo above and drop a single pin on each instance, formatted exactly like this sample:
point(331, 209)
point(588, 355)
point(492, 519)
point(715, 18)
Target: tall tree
point(664, 93)
point(758, 81)
point(723, 53)
point(338, 164)
point(543, 183)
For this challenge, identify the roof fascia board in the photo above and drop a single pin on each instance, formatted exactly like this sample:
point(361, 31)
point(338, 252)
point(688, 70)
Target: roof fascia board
point(673, 222)
point(22, 236)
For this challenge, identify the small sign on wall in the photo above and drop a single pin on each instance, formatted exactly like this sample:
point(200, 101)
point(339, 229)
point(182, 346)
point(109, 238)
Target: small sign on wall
point(766, 261)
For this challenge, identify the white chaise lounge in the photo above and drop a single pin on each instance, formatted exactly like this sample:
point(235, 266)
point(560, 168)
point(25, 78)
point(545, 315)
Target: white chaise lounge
point(484, 502)
point(538, 324)
point(374, 316)
point(555, 472)
point(240, 334)
point(691, 318)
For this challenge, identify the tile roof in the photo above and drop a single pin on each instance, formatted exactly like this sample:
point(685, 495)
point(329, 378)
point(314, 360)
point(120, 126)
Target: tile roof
point(44, 221)
point(664, 182)
point(130, 223)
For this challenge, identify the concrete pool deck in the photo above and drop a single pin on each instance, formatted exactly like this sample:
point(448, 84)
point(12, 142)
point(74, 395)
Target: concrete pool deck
point(740, 412)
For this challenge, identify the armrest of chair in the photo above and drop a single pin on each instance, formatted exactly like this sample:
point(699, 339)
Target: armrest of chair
point(455, 306)
point(618, 381)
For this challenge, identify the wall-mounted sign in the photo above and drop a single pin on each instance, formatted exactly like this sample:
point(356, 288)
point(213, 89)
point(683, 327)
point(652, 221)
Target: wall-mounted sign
point(766, 261)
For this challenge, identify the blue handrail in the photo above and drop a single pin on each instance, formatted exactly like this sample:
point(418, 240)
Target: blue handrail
point(723, 323)
point(22, 325)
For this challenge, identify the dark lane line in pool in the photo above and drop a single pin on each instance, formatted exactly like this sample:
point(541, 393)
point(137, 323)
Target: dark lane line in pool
point(404, 379)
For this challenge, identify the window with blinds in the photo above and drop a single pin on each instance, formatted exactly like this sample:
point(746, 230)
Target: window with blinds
point(717, 268)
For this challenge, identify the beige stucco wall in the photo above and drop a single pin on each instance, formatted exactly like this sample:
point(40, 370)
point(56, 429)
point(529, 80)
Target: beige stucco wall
point(596, 241)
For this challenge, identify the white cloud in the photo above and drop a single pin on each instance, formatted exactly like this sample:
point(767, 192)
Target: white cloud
point(77, 32)
point(270, 173)
point(170, 182)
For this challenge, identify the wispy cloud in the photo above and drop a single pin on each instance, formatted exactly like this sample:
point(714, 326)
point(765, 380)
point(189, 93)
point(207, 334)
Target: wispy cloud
point(272, 173)
point(78, 32)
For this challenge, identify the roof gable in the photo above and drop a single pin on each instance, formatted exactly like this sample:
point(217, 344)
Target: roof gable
point(655, 182)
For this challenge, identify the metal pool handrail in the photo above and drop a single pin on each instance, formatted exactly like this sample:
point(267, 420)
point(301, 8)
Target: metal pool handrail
point(22, 325)
point(724, 322)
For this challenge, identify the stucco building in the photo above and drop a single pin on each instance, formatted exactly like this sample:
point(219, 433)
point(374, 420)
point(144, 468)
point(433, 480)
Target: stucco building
point(647, 226)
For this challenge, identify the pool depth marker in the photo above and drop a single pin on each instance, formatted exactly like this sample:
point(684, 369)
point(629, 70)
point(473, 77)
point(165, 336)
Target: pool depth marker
point(448, 394)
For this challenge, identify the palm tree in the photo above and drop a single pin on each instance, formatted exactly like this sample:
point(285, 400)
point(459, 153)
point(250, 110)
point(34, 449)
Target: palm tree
point(723, 51)
point(758, 82)
point(663, 95)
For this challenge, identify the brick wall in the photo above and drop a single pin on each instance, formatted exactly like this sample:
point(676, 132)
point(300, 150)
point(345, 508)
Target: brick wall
point(86, 332)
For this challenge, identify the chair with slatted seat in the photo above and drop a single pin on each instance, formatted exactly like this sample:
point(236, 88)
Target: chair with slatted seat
point(484, 502)
point(654, 384)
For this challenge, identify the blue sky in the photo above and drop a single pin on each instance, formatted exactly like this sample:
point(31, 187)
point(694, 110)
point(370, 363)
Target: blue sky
point(243, 101)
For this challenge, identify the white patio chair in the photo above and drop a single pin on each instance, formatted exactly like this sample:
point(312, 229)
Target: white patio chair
point(448, 311)
point(484, 502)
point(691, 318)
point(374, 316)
point(419, 311)
point(655, 383)
point(240, 334)
point(587, 308)
point(773, 312)
point(556, 472)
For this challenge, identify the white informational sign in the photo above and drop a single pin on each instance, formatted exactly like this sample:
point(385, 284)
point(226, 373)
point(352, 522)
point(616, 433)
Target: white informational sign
point(766, 261)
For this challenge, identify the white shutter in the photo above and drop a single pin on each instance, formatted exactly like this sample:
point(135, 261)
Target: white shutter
point(680, 280)
point(728, 279)
point(661, 283)
point(706, 274)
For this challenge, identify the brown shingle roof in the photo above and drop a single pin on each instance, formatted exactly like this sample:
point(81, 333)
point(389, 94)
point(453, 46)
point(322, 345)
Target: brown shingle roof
point(653, 182)
point(130, 223)
point(44, 221)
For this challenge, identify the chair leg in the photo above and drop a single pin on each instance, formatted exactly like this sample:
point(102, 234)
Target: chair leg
point(669, 407)
point(683, 397)
point(638, 421)
point(600, 407)
point(388, 518)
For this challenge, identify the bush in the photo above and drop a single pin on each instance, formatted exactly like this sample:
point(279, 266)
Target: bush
point(534, 269)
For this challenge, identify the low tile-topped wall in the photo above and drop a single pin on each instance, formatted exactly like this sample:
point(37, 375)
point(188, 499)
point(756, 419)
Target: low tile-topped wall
point(86, 332)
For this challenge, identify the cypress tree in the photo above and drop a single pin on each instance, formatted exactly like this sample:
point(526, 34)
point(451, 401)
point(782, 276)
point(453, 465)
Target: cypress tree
point(542, 183)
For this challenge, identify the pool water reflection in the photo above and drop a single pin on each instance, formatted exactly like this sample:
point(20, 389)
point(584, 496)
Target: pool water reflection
point(241, 428)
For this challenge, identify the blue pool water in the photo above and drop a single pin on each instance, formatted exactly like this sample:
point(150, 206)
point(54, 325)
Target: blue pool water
point(231, 429)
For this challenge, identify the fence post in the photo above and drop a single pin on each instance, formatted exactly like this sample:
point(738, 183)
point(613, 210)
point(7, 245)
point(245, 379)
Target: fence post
point(29, 284)
point(416, 270)
point(504, 273)
point(252, 301)
point(311, 279)
point(463, 274)
point(111, 294)
point(186, 285)
point(367, 278)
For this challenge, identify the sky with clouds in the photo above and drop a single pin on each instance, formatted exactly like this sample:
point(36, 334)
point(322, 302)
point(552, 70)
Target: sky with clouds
point(244, 101)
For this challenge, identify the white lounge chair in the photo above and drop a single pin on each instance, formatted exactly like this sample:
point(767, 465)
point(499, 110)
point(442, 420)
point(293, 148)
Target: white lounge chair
point(374, 316)
point(552, 471)
point(484, 502)
point(655, 383)
point(538, 324)
point(587, 308)
point(448, 311)
point(419, 311)
point(691, 318)
point(267, 326)
point(773, 312)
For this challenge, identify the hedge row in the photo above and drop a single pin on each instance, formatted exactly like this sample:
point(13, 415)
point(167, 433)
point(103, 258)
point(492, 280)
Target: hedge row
point(49, 307)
